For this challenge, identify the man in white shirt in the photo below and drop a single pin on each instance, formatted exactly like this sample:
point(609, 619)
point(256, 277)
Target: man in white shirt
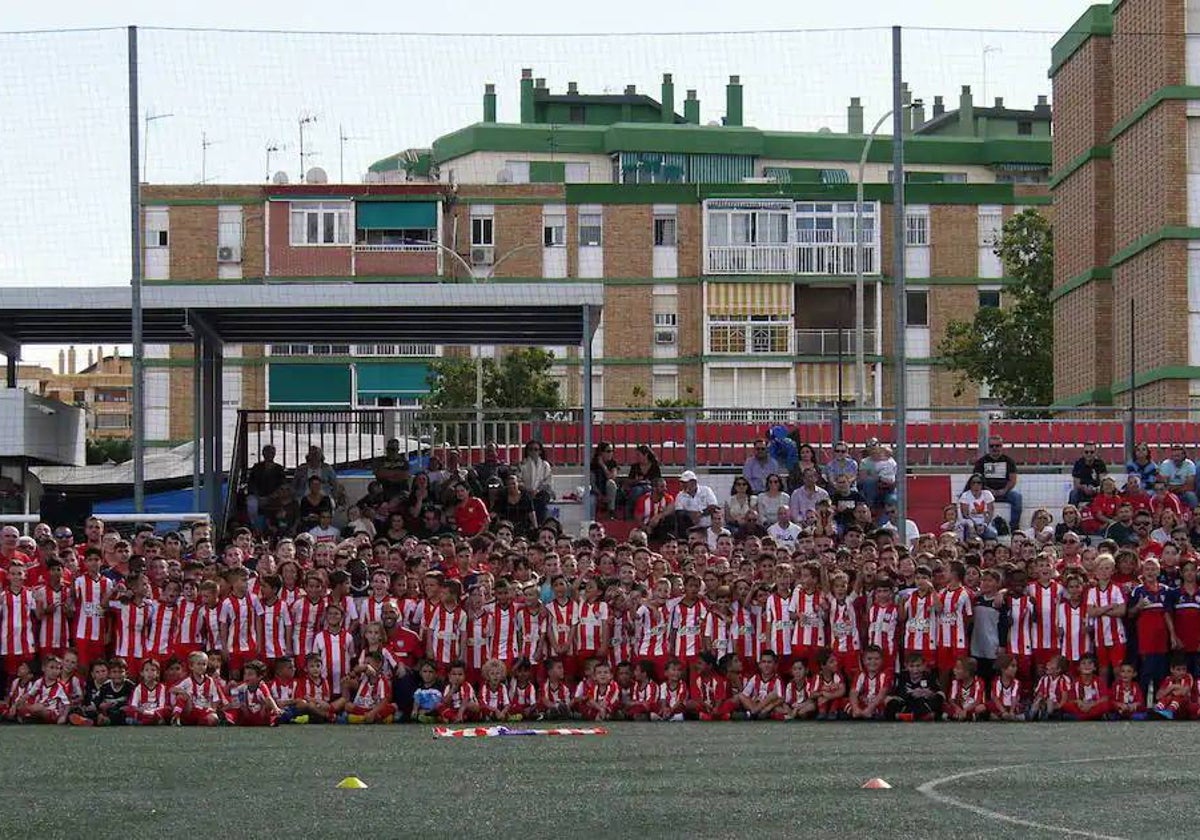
point(804, 499)
point(695, 502)
point(785, 532)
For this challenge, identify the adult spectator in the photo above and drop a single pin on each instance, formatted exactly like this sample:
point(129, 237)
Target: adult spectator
point(877, 475)
point(420, 497)
point(514, 506)
point(1136, 494)
point(471, 515)
point(1121, 530)
point(807, 458)
point(804, 499)
point(772, 499)
point(656, 511)
point(537, 477)
point(844, 498)
point(716, 529)
point(1071, 523)
point(760, 465)
point(323, 531)
point(841, 464)
point(456, 470)
point(999, 473)
point(643, 472)
point(491, 468)
point(784, 531)
point(604, 476)
point(432, 524)
point(313, 503)
point(739, 504)
point(889, 522)
point(1146, 546)
point(314, 466)
point(10, 551)
point(1086, 475)
point(753, 526)
point(694, 503)
point(976, 509)
point(1179, 471)
point(267, 491)
point(1102, 510)
point(1164, 499)
point(1143, 465)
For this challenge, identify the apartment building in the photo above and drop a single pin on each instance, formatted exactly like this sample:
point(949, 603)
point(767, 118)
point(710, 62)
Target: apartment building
point(101, 387)
point(1126, 189)
point(728, 252)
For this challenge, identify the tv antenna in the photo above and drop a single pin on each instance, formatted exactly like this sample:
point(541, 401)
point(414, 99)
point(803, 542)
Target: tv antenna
point(272, 148)
point(205, 142)
point(151, 116)
point(342, 138)
point(304, 119)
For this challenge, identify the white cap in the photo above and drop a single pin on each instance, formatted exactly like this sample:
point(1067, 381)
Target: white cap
point(687, 475)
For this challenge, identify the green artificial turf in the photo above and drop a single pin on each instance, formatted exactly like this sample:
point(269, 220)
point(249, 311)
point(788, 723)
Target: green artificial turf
point(745, 780)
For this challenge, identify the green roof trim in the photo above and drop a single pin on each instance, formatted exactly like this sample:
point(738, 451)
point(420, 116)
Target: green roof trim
point(1163, 94)
point(200, 202)
point(1102, 151)
point(1092, 275)
point(730, 140)
point(432, 195)
point(1150, 240)
point(1095, 22)
point(937, 193)
point(1096, 396)
point(1158, 374)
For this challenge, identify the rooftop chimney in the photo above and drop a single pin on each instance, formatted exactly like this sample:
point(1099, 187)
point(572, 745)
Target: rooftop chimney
point(631, 90)
point(489, 103)
point(668, 99)
point(966, 111)
point(939, 106)
point(918, 114)
point(905, 102)
point(733, 101)
point(691, 108)
point(62, 361)
point(71, 359)
point(999, 102)
point(854, 116)
point(527, 95)
point(91, 361)
point(1042, 109)
point(572, 88)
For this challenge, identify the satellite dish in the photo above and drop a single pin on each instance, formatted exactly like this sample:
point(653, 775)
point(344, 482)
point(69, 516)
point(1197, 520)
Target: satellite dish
point(316, 175)
point(279, 178)
point(824, 130)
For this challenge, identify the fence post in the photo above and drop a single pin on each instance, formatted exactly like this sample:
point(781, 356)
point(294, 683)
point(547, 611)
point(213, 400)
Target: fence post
point(689, 437)
point(839, 421)
point(985, 420)
point(1130, 432)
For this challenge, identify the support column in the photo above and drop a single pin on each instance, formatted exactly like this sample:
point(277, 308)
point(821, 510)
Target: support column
point(197, 423)
point(589, 503)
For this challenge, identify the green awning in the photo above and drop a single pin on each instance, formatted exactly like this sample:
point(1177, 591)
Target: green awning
point(396, 215)
point(388, 379)
point(834, 176)
point(308, 384)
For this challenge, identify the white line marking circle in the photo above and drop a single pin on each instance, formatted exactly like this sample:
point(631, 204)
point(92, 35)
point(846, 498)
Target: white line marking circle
point(929, 789)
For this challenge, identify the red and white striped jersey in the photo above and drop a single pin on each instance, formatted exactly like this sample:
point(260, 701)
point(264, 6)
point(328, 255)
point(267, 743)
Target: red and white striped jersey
point(211, 619)
point(1007, 697)
point(91, 605)
point(589, 635)
point(147, 701)
point(919, 630)
point(794, 694)
point(372, 608)
point(456, 698)
point(479, 640)
point(653, 628)
point(239, 623)
point(523, 697)
point(609, 695)
point(291, 596)
point(809, 618)
point(52, 695)
point(308, 689)
point(191, 627)
point(870, 688)
point(687, 628)
point(554, 695)
point(843, 625)
point(506, 633)
point(621, 645)
point(337, 656)
point(494, 700)
point(444, 631)
point(349, 608)
point(411, 611)
point(758, 688)
point(644, 694)
point(204, 693)
point(276, 628)
point(672, 697)
point(253, 698)
point(1045, 600)
point(743, 629)
point(132, 628)
point(1108, 631)
point(777, 625)
point(534, 619)
point(882, 621)
point(283, 690)
point(1020, 631)
point(1074, 630)
point(306, 623)
point(54, 630)
point(1128, 694)
point(371, 693)
point(74, 689)
point(1057, 688)
point(954, 610)
point(563, 618)
point(1090, 691)
point(965, 691)
point(718, 634)
point(161, 635)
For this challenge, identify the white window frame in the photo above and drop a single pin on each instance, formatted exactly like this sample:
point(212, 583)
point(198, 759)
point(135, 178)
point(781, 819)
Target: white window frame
point(991, 225)
point(825, 237)
point(760, 334)
point(483, 231)
point(340, 213)
point(908, 323)
point(158, 228)
point(666, 328)
point(665, 222)
point(554, 227)
point(591, 219)
point(916, 227)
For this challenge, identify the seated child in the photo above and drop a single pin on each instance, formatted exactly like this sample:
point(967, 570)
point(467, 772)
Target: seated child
point(1174, 695)
point(45, 700)
point(554, 698)
point(916, 695)
point(643, 696)
point(800, 705)
point(149, 704)
point(251, 703)
point(1089, 699)
point(114, 694)
point(1052, 691)
point(494, 702)
point(870, 689)
point(1126, 695)
point(372, 701)
point(965, 701)
point(199, 697)
point(1006, 703)
point(523, 692)
point(427, 698)
point(827, 687)
point(672, 693)
point(459, 703)
point(314, 703)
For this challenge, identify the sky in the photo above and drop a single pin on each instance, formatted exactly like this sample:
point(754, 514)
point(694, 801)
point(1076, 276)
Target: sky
point(218, 99)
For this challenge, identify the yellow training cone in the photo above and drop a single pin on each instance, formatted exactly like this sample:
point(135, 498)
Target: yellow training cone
point(352, 783)
point(876, 784)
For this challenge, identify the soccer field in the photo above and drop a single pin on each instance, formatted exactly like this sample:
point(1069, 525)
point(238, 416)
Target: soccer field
point(647, 780)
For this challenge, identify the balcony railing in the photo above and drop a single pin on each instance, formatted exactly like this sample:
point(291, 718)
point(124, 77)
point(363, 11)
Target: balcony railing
point(825, 342)
point(832, 259)
point(750, 259)
point(398, 249)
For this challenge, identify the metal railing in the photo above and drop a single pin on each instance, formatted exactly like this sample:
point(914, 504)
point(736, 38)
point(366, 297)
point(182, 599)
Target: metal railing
point(810, 342)
point(750, 259)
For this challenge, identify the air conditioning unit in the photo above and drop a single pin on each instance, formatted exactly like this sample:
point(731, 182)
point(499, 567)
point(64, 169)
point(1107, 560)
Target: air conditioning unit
point(483, 256)
point(229, 254)
point(664, 336)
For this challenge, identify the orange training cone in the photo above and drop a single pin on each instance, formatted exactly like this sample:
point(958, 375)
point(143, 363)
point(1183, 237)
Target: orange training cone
point(876, 784)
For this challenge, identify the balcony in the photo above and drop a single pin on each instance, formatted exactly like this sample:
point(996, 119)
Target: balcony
point(830, 259)
point(374, 260)
point(750, 259)
point(825, 342)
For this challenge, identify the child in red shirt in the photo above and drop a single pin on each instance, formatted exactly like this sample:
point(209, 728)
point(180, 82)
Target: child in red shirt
point(372, 700)
point(870, 690)
point(149, 705)
point(554, 698)
point(672, 694)
point(1005, 703)
point(459, 703)
point(965, 699)
point(827, 687)
point(1128, 701)
point(1174, 695)
point(643, 696)
point(1053, 690)
point(251, 702)
point(1089, 698)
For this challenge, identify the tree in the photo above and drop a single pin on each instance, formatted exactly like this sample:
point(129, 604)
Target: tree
point(1010, 349)
point(101, 451)
point(520, 379)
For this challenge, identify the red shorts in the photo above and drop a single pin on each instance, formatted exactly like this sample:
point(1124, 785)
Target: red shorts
point(947, 656)
point(849, 662)
point(182, 652)
point(12, 661)
point(1112, 656)
point(89, 651)
point(199, 717)
point(236, 659)
point(1041, 656)
point(808, 655)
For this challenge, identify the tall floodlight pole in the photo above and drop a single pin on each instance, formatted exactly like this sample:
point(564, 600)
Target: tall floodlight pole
point(901, 298)
point(135, 240)
point(860, 357)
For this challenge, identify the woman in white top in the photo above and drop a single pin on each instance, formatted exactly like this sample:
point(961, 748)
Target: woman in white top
point(772, 499)
point(977, 506)
point(537, 478)
point(739, 503)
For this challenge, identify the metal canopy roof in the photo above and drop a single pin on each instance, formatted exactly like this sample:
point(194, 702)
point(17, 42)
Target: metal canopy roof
point(479, 313)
